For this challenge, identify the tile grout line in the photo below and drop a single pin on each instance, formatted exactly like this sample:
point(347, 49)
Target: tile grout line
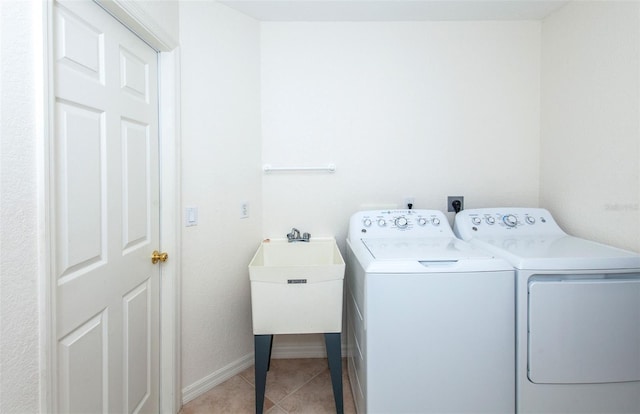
point(277, 403)
point(253, 385)
point(297, 389)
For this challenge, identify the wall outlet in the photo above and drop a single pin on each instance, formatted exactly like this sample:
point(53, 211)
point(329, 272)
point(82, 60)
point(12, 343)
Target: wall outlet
point(408, 200)
point(450, 201)
point(244, 210)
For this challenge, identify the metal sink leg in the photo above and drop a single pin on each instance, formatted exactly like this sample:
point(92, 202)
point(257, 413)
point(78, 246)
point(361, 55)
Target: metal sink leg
point(263, 345)
point(262, 350)
point(334, 355)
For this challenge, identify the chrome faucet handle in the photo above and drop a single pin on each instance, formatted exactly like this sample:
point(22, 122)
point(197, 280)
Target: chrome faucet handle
point(294, 235)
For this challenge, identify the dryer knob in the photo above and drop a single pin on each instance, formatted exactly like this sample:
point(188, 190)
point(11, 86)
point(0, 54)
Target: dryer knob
point(401, 222)
point(510, 220)
point(476, 220)
point(491, 220)
point(382, 223)
point(367, 222)
point(435, 221)
point(531, 220)
point(422, 221)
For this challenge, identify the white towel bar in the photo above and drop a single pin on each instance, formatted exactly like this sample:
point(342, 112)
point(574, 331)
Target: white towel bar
point(331, 168)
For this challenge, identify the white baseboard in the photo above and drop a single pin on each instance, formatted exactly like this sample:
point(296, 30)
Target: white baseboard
point(302, 351)
point(298, 351)
point(193, 391)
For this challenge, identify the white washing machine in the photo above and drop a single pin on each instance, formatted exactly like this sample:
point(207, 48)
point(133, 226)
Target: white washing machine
point(430, 318)
point(578, 312)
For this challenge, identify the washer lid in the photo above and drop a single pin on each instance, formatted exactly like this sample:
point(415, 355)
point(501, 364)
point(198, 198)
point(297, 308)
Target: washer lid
point(447, 249)
point(558, 252)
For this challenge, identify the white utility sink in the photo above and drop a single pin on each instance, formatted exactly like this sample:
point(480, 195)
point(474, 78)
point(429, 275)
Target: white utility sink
point(297, 287)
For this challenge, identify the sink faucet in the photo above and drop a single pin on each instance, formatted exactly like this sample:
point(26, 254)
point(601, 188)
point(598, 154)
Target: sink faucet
point(294, 236)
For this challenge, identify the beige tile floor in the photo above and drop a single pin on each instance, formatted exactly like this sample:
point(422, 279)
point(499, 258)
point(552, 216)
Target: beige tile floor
point(293, 386)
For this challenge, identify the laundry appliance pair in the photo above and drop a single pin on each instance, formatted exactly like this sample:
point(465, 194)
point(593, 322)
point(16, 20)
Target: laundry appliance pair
point(519, 317)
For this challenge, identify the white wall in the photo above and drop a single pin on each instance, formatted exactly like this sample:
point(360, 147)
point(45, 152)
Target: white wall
point(590, 139)
point(20, 83)
point(221, 169)
point(424, 109)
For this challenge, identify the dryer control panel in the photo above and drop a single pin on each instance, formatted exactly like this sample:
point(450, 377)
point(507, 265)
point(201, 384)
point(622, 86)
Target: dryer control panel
point(500, 222)
point(399, 224)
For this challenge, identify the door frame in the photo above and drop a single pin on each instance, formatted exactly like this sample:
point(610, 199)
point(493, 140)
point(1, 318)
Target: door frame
point(132, 16)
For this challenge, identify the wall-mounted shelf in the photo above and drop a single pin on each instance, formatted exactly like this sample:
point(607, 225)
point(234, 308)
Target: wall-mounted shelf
point(268, 168)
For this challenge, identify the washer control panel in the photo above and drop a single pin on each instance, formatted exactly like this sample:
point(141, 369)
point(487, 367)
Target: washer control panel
point(398, 224)
point(503, 222)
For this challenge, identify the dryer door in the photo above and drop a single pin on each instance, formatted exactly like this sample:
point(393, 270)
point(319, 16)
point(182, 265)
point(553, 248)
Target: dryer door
point(584, 330)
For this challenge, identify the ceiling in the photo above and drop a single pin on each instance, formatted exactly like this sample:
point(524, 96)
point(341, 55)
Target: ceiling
point(394, 10)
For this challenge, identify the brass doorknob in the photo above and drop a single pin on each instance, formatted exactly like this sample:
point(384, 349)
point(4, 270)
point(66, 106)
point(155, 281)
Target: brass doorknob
point(156, 257)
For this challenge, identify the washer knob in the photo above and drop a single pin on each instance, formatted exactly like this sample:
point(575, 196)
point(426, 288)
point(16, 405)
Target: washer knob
point(491, 220)
point(476, 220)
point(531, 220)
point(382, 223)
point(367, 222)
point(422, 221)
point(510, 220)
point(401, 222)
point(435, 221)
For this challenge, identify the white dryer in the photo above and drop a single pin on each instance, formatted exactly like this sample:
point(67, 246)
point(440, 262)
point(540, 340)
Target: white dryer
point(578, 312)
point(430, 318)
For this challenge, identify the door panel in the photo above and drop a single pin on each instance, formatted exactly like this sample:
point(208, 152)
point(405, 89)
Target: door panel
point(105, 188)
point(137, 346)
point(136, 174)
point(79, 45)
point(83, 359)
point(134, 75)
point(81, 182)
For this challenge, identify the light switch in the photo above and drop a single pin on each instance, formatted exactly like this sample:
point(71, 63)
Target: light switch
point(191, 216)
point(244, 210)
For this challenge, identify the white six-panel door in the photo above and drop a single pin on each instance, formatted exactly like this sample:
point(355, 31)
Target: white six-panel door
point(105, 216)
